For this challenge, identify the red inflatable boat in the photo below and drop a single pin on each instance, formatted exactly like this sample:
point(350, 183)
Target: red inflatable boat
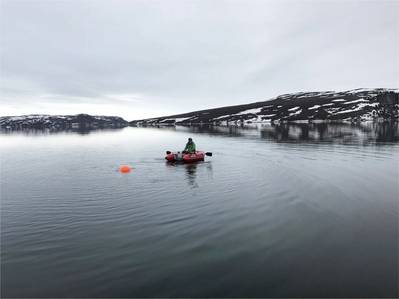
point(185, 157)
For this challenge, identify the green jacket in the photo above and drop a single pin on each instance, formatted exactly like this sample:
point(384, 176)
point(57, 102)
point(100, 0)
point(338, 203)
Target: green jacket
point(190, 147)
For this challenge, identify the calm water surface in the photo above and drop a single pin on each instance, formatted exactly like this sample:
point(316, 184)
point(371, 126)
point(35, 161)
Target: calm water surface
point(283, 211)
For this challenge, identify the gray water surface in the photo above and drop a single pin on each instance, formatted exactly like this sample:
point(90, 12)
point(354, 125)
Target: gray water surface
point(278, 211)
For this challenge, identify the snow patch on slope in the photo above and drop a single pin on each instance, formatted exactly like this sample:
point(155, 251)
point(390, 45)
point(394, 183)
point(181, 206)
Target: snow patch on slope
point(250, 111)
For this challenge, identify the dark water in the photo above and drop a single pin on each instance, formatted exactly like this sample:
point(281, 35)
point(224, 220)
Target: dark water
point(283, 211)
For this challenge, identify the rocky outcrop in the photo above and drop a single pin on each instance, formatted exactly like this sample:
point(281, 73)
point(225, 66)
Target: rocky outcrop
point(61, 122)
point(351, 105)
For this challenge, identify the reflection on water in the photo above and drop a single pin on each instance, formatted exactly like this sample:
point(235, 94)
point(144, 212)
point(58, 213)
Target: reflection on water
point(277, 211)
point(191, 170)
point(47, 131)
point(363, 133)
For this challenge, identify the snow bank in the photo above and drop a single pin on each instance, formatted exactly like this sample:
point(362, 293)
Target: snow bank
point(249, 111)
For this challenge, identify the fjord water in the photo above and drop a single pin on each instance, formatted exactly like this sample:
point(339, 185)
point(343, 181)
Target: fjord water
point(278, 211)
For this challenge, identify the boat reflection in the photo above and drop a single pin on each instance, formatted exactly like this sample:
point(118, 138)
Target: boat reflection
point(191, 174)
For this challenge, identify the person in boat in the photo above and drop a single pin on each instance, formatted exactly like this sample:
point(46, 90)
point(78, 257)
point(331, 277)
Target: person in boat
point(190, 147)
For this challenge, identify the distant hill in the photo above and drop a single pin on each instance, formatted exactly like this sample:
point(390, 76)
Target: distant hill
point(352, 105)
point(61, 122)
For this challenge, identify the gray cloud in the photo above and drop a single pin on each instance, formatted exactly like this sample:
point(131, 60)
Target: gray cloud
point(145, 58)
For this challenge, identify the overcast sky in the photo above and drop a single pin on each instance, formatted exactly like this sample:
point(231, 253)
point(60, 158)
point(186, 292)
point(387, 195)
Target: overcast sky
point(141, 59)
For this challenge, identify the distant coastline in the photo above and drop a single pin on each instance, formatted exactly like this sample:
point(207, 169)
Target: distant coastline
point(61, 122)
point(306, 107)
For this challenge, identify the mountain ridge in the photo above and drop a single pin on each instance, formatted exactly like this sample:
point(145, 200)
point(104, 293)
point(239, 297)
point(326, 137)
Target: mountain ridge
point(355, 104)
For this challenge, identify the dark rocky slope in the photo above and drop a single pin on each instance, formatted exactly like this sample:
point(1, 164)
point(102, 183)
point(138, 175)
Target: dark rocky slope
point(61, 122)
point(352, 105)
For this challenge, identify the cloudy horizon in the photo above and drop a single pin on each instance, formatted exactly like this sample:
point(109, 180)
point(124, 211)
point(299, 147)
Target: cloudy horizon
point(139, 59)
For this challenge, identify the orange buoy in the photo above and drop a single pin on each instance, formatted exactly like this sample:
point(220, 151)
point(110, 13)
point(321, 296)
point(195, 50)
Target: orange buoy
point(125, 169)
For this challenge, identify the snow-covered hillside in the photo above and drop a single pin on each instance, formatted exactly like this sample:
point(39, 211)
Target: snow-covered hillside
point(79, 121)
point(351, 105)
